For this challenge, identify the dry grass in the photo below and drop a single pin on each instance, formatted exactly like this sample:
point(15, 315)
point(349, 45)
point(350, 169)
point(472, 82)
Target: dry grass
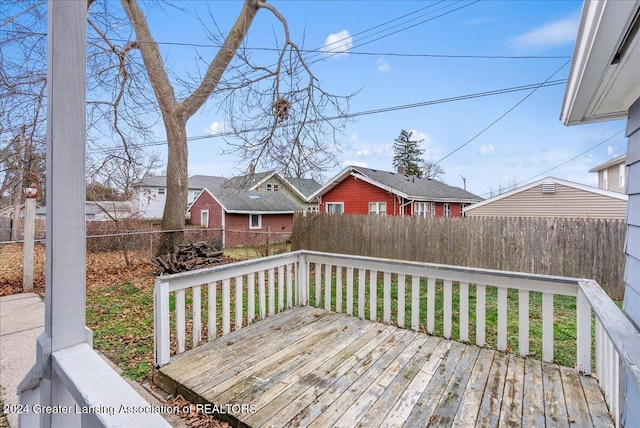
point(119, 308)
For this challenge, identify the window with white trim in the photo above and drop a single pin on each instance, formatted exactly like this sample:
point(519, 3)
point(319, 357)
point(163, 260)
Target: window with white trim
point(272, 187)
point(204, 218)
point(377, 208)
point(621, 176)
point(312, 209)
point(447, 209)
point(422, 209)
point(160, 190)
point(255, 221)
point(433, 209)
point(194, 195)
point(335, 207)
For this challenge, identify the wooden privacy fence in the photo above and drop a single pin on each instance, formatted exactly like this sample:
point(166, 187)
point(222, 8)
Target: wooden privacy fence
point(584, 248)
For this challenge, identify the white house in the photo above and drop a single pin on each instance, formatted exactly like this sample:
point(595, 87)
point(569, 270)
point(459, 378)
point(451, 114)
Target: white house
point(149, 196)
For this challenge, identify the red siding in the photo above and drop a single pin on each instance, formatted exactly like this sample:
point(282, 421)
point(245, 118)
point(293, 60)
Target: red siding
point(204, 202)
point(356, 195)
point(238, 232)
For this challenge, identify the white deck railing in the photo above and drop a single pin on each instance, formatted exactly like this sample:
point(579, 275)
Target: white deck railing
point(414, 294)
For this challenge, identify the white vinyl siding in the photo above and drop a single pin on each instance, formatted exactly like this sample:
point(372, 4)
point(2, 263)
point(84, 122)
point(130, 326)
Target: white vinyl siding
point(567, 202)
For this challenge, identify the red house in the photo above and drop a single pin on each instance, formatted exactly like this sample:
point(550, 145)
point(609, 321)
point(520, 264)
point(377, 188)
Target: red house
point(358, 190)
point(245, 217)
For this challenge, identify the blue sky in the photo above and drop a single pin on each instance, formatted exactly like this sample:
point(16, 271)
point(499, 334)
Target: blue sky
point(407, 65)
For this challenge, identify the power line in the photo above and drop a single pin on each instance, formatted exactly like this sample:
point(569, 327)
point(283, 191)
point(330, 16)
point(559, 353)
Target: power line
point(534, 86)
point(565, 162)
point(504, 114)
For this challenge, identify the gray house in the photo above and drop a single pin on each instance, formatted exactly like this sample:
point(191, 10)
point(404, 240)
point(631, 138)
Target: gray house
point(604, 84)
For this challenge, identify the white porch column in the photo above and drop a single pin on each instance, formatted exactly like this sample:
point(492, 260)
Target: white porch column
point(29, 236)
point(65, 263)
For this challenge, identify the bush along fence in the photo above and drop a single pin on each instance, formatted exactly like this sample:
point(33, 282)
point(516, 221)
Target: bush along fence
point(583, 248)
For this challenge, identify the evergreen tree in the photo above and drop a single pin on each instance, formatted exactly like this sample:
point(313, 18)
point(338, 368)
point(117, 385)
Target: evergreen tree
point(407, 153)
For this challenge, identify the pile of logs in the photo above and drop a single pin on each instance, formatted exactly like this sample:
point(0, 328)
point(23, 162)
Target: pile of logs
point(188, 257)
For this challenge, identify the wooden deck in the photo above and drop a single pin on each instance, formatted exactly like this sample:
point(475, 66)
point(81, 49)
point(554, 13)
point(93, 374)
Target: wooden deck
point(310, 367)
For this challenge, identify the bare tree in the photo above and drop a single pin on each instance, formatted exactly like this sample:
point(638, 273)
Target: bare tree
point(431, 170)
point(277, 111)
point(282, 102)
point(503, 188)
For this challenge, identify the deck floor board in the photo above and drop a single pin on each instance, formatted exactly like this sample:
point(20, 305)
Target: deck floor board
point(311, 367)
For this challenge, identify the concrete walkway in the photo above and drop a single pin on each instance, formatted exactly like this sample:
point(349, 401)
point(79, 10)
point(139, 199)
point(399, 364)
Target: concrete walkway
point(21, 322)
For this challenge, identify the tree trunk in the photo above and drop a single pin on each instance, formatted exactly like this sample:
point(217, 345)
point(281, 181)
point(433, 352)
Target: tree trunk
point(173, 217)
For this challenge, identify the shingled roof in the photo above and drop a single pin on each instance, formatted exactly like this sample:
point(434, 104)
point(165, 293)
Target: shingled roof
point(408, 187)
point(254, 202)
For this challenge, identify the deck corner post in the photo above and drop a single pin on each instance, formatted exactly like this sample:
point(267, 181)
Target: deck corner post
point(583, 321)
point(302, 280)
point(161, 322)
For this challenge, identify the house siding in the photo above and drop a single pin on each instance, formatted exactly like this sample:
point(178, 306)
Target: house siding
point(613, 178)
point(207, 202)
point(286, 190)
point(566, 202)
point(631, 304)
point(238, 233)
point(356, 195)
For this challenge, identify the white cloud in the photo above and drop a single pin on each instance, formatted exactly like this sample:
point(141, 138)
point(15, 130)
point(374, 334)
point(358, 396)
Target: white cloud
point(363, 153)
point(556, 33)
point(610, 151)
point(353, 138)
point(486, 150)
point(338, 43)
point(215, 128)
point(382, 65)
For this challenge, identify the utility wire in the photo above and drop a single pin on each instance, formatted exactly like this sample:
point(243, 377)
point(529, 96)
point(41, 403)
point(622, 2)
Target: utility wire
point(534, 86)
point(573, 158)
point(504, 114)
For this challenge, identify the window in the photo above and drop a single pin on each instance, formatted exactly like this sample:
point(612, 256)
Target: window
point(335, 207)
point(272, 187)
point(313, 209)
point(255, 221)
point(447, 209)
point(204, 218)
point(160, 190)
point(194, 195)
point(621, 172)
point(422, 209)
point(377, 208)
point(433, 209)
point(605, 179)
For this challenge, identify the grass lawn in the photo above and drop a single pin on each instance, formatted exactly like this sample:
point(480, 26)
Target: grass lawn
point(564, 315)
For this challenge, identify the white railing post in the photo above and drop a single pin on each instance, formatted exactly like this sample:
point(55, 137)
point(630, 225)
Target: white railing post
point(547, 327)
point(583, 315)
point(302, 280)
point(161, 322)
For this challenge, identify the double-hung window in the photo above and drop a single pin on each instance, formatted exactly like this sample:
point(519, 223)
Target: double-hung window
point(377, 208)
point(422, 209)
point(447, 209)
point(335, 207)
